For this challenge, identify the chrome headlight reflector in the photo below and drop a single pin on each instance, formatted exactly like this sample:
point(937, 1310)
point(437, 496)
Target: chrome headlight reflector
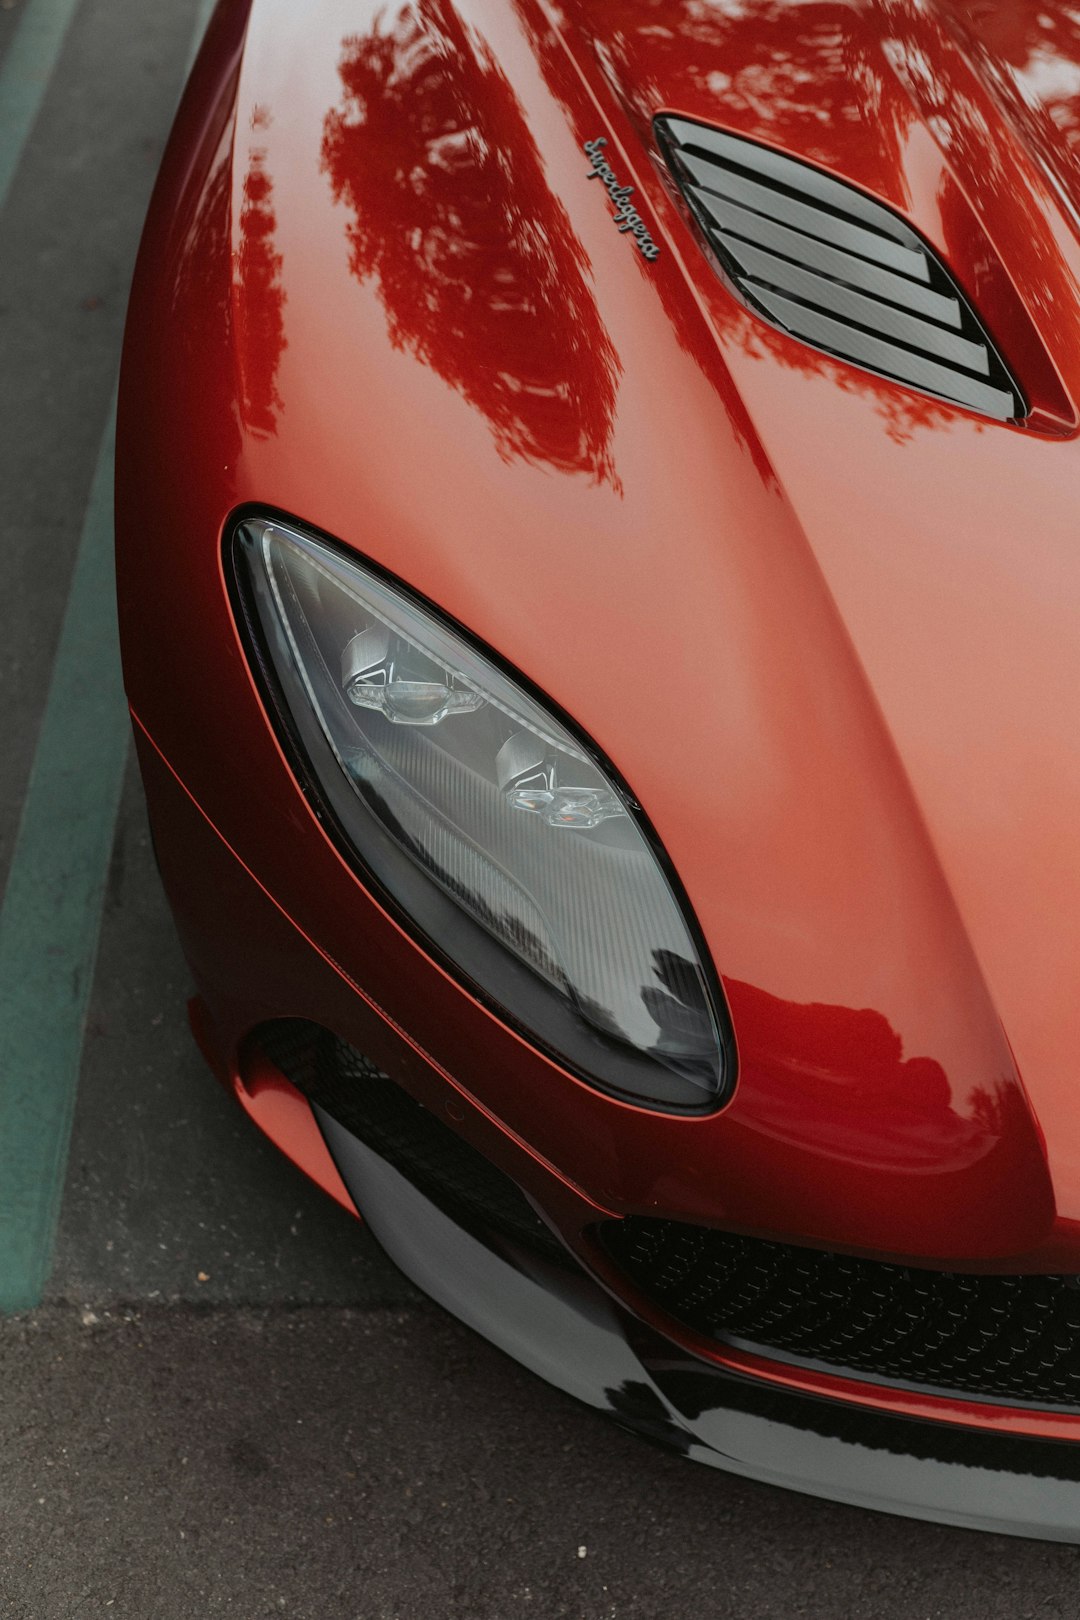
point(495, 830)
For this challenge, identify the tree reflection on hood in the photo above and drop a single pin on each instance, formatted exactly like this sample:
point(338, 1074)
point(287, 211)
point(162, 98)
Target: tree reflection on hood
point(476, 261)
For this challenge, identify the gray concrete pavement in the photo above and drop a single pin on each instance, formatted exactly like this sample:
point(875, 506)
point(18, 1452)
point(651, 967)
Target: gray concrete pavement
point(230, 1403)
point(68, 237)
point(335, 1464)
point(167, 1182)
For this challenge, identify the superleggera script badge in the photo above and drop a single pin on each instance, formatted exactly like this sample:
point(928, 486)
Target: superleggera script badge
point(626, 215)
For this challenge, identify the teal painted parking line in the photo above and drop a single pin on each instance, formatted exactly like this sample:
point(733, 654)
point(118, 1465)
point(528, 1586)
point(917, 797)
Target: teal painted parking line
point(51, 913)
point(50, 919)
point(25, 72)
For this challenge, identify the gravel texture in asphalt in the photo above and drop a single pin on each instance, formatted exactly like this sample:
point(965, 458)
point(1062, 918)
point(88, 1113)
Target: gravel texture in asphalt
point(230, 1402)
point(372, 1464)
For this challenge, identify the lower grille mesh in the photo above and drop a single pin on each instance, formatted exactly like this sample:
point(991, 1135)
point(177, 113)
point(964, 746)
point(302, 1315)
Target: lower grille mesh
point(402, 1131)
point(1011, 1338)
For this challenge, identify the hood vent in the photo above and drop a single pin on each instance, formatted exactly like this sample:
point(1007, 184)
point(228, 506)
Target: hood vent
point(834, 268)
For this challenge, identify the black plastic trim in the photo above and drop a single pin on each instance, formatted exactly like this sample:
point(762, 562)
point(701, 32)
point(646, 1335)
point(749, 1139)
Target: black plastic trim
point(1007, 1339)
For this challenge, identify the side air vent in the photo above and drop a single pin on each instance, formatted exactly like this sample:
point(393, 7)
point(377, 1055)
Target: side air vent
point(446, 1169)
point(836, 269)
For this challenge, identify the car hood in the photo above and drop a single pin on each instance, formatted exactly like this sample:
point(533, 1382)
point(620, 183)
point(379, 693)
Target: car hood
point(825, 626)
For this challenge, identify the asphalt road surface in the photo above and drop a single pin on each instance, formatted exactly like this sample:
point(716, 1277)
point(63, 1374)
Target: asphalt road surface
point(227, 1401)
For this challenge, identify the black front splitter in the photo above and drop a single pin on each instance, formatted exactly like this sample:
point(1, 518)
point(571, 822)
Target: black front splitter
point(560, 1323)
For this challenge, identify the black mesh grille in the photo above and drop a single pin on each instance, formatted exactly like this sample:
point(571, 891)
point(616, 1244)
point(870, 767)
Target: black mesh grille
point(1011, 1338)
point(836, 269)
point(405, 1133)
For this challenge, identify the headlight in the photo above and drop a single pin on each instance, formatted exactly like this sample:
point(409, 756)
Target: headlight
point(493, 828)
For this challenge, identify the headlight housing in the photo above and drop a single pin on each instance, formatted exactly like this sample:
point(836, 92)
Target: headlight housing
point(493, 829)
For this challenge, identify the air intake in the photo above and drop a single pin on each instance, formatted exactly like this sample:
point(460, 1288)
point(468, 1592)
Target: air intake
point(836, 269)
point(355, 1092)
point(1012, 1338)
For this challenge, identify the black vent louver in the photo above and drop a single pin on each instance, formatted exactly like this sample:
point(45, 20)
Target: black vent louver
point(835, 269)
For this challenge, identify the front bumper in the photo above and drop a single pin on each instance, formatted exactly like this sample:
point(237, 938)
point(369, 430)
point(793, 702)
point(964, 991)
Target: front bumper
point(569, 1319)
point(562, 1325)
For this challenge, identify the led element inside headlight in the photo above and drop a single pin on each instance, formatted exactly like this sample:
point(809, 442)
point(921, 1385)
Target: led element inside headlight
point(492, 827)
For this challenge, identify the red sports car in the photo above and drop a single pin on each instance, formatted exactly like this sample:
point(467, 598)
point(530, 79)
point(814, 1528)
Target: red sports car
point(599, 571)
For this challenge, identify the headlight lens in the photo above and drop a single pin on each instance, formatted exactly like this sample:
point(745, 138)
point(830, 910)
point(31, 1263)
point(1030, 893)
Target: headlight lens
point(493, 828)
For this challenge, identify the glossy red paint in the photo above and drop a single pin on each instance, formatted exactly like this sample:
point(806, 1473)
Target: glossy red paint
point(378, 293)
point(290, 976)
point(284, 1114)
